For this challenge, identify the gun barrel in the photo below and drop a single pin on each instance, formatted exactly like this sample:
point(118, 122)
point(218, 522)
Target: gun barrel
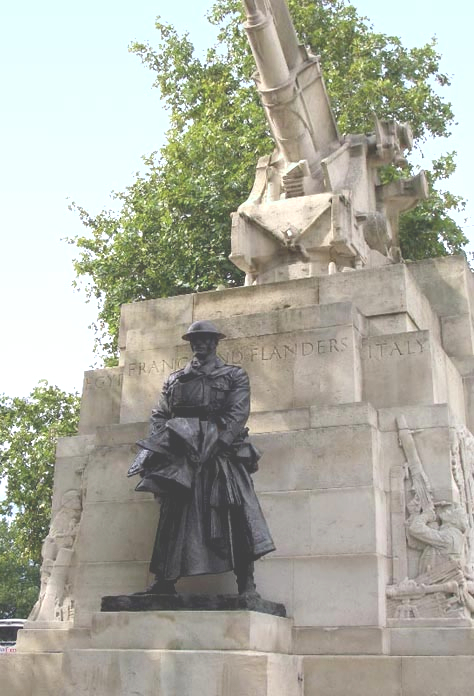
point(266, 45)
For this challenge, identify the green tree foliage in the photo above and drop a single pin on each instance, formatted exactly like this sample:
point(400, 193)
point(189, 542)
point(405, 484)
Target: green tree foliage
point(29, 430)
point(172, 232)
point(19, 580)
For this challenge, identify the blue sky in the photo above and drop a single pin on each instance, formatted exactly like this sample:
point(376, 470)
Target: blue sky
point(78, 112)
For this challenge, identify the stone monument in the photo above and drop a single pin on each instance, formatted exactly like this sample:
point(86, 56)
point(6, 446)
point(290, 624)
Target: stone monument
point(362, 374)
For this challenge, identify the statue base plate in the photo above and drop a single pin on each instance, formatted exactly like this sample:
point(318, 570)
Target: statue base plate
point(192, 602)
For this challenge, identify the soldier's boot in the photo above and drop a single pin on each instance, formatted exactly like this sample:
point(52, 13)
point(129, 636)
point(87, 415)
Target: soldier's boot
point(159, 586)
point(245, 579)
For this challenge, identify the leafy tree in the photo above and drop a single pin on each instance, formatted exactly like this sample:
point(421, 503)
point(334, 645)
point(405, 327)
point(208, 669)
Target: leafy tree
point(172, 233)
point(19, 580)
point(29, 430)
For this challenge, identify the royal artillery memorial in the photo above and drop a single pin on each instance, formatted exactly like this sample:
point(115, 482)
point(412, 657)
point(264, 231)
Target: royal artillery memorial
point(361, 369)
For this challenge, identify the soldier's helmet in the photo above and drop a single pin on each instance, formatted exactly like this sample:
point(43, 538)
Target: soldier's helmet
point(202, 327)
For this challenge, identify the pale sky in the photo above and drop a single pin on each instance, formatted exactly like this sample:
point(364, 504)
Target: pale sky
point(78, 112)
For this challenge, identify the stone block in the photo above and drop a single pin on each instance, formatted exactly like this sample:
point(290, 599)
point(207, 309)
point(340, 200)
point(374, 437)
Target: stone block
point(286, 371)
point(275, 580)
point(75, 446)
point(123, 434)
point(112, 531)
point(101, 395)
point(398, 369)
point(445, 282)
point(163, 312)
point(262, 298)
point(326, 522)
point(457, 334)
point(30, 674)
point(418, 417)
point(68, 475)
point(107, 476)
point(279, 421)
point(455, 395)
point(289, 518)
point(390, 324)
point(316, 458)
point(437, 676)
point(345, 590)
point(468, 383)
point(361, 413)
point(354, 675)
point(48, 640)
point(434, 640)
point(381, 291)
point(95, 580)
point(191, 630)
point(352, 640)
point(188, 673)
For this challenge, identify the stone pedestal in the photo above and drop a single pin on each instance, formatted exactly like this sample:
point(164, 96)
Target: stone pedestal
point(335, 363)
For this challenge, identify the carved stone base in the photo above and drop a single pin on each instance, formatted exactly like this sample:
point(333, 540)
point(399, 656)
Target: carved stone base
point(192, 602)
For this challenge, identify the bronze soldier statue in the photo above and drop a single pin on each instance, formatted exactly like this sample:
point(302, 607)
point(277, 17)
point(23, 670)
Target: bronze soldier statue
point(197, 460)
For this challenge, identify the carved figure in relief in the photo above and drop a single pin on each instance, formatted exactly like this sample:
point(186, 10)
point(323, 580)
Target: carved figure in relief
point(446, 541)
point(197, 460)
point(53, 602)
point(440, 532)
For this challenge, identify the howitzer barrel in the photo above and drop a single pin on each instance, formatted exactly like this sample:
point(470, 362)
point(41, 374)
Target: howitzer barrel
point(293, 95)
point(266, 46)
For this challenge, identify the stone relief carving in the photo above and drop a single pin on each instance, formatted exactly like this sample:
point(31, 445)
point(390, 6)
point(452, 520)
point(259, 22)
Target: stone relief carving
point(439, 532)
point(55, 602)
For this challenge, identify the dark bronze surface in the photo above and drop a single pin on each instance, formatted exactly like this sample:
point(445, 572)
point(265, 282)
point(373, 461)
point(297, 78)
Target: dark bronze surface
point(192, 602)
point(197, 460)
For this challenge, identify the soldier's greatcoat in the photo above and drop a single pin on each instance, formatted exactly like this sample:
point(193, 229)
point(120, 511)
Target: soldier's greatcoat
point(198, 461)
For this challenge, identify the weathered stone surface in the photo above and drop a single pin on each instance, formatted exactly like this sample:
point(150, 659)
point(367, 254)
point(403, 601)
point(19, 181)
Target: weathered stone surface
point(75, 446)
point(391, 324)
point(101, 396)
point(350, 590)
point(291, 370)
point(279, 421)
point(52, 640)
point(224, 625)
point(381, 291)
point(434, 640)
point(263, 298)
point(93, 580)
point(188, 673)
point(166, 312)
point(126, 531)
point(30, 674)
point(326, 522)
point(315, 459)
point(357, 675)
point(107, 475)
point(443, 676)
point(324, 416)
point(340, 640)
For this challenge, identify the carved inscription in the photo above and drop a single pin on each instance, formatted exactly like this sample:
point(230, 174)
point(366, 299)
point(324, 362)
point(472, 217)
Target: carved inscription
point(267, 353)
point(103, 381)
point(382, 349)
